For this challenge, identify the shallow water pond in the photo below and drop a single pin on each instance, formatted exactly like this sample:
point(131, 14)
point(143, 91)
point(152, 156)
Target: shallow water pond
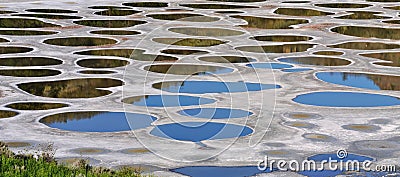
point(80, 41)
point(167, 100)
point(206, 31)
point(36, 105)
point(270, 23)
point(110, 23)
point(188, 69)
point(102, 63)
point(316, 61)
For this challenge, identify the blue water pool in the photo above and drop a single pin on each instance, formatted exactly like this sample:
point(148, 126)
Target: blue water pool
point(316, 61)
point(199, 131)
point(218, 171)
point(215, 113)
point(346, 99)
point(269, 65)
point(167, 100)
point(96, 121)
point(201, 87)
point(362, 80)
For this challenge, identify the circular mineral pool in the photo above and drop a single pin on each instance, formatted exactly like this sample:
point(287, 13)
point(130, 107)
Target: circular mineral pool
point(167, 100)
point(269, 65)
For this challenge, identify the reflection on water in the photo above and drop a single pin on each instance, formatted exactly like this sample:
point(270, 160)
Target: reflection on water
point(362, 80)
point(369, 32)
point(110, 23)
point(49, 16)
point(215, 113)
point(135, 54)
point(7, 50)
point(220, 171)
point(29, 72)
point(361, 15)
point(328, 52)
point(96, 121)
point(96, 72)
point(227, 59)
point(206, 31)
point(343, 5)
point(392, 57)
point(269, 65)
point(192, 42)
point(215, 6)
point(36, 106)
point(56, 11)
point(108, 7)
point(301, 12)
point(115, 32)
point(182, 69)
point(146, 4)
point(282, 38)
point(117, 12)
point(316, 61)
point(346, 99)
point(285, 48)
point(202, 87)
point(26, 32)
point(102, 63)
point(184, 17)
point(269, 23)
point(184, 52)
point(24, 23)
point(365, 45)
point(80, 41)
point(200, 131)
point(7, 114)
point(167, 100)
point(73, 88)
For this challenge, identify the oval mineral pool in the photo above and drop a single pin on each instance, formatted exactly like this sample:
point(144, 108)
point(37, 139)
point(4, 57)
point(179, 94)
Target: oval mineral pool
point(97, 121)
point(80, 41)
point(362, 80)
point(269, 65)
point(220, 171)
point(188, 69)
point(167, 100)
point(346, 99)
point(29, 61)
point(101, 63)
point(321, 157)
point(201, 87)
point(200, 131)
point(215, 113)
point(316, 61)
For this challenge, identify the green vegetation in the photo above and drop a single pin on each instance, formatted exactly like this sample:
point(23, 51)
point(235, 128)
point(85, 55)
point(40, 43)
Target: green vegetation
point(23, 165)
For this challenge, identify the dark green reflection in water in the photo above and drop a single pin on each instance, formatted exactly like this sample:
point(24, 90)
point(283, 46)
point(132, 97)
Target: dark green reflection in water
point(73, 88)
point(96, 72)
point(226, 59)
point(115, 32)
point(108, 7)
point(365, 46)
point(36, 106)
point(110, 23)
point(392, 21)
point(215, 6)
point(135, 54)
point(343, 5)
point(29, 61)
point(184, 17)
point(184, 52)
point(206, 31)
point(392, 57)
point(80, 41)
point(51, 11)
point(24, 23)
point(26, 32)
point(269, 23)
point(301, 12)
point(282, 38)
point(116, 12)
point(6, 12)
point(4, 40)
point(29, 72)
point(49, 16)
point(146, 4)
point(285, 48)
point(363, 15)
point(393, 7)
point(370, 32)
point(102, 63)
point(7, 114)
point(183, 69)
point(192, 42)
point(7, 50)
point(229, 12)
point(317, 61)
point(328, 52)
